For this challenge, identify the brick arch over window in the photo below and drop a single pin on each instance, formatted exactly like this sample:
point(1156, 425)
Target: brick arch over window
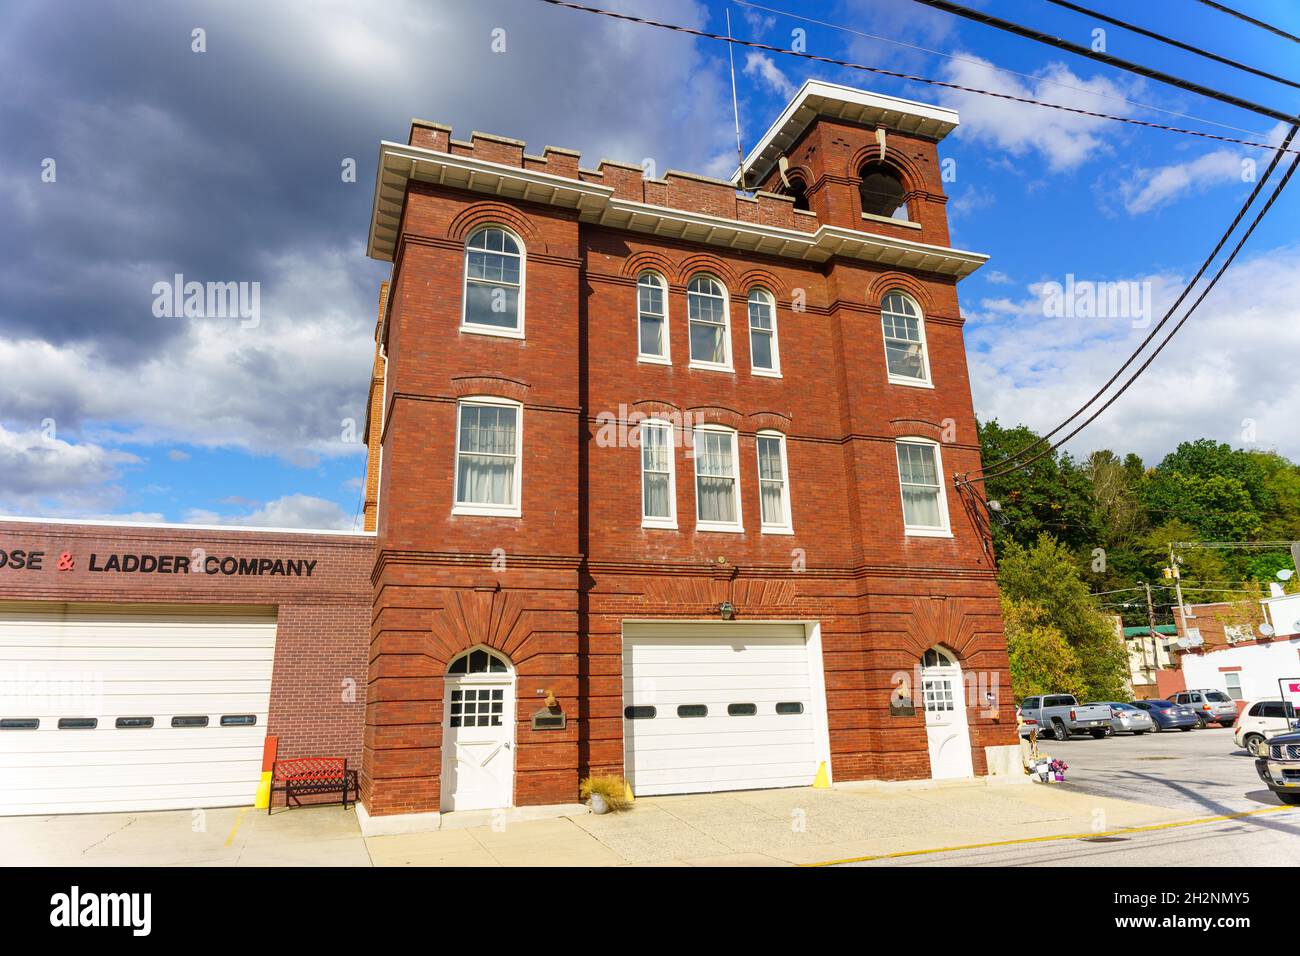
point(716, 415)
point(761, 279)
point(490, 385)
point(887, 282)
point(776, 421)
point(909, 174)
point(916, 428)
point(494, 213)
point(705, 263)
point(649, 261)
point(656, 408)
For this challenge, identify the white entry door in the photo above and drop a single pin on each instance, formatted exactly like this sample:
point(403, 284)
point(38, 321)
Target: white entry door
point(945, 716)
point(707, 707)
point(478, 757)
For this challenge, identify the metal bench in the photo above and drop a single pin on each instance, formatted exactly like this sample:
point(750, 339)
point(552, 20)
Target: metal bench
point(299, 776)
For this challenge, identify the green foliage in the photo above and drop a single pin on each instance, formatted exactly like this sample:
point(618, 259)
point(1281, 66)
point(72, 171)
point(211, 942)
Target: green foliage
point(1045, 576)
point(1042, 661)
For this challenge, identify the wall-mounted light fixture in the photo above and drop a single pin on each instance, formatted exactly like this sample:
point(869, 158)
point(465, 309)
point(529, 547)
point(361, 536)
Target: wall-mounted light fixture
point(727, 610)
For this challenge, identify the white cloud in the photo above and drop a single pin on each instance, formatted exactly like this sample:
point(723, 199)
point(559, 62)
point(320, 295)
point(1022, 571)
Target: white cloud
point(761, 67)
point(1231, 362)
point(176, 454)
point(1151, 188)
point(38, 472)
point(290, 511)
point(1064, 140)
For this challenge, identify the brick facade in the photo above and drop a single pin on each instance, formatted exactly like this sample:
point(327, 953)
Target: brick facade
point(552, 588)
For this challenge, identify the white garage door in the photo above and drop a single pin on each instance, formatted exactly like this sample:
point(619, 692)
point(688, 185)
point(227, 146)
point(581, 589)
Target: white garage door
point(107, 709)
point(719, 707)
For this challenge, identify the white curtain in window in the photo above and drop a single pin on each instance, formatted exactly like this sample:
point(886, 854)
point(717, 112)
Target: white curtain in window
point(771, 480)
point(707, 312)
point(486, 467)
point(920, 482)
point(715, 477)
point(656, 483)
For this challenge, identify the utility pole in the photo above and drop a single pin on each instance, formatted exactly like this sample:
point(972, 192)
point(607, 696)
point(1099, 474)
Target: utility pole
point(1155, 645)
point(1178, 588)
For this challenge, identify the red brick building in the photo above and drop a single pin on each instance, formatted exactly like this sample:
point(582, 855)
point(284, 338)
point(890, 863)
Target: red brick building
point(675, 458)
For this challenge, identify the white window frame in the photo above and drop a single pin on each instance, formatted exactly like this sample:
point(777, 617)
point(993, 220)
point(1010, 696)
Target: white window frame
point(775, 370)
point(670, 522)
point(894, 379)
point(1228, 688)
point(786, 527)
point(667, 357)
point(729, 364)
point(513, 510)
point(476, 329)
point(944, 530)
point(738, 526)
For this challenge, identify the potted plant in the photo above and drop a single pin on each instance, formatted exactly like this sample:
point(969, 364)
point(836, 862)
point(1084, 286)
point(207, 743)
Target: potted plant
point(604, 792)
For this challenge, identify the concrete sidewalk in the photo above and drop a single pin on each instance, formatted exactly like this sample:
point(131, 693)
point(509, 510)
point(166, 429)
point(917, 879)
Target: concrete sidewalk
point(759, 828)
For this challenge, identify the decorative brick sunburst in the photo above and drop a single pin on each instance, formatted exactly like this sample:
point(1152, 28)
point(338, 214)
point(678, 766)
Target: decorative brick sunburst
point(498, 619)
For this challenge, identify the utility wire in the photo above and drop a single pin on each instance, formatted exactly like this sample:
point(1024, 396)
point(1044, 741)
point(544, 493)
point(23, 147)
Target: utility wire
point(1179, 44)
point(1001, 469)
point(896, 74)
point(985, 64)
point(1259, 23)
point(1137, 68)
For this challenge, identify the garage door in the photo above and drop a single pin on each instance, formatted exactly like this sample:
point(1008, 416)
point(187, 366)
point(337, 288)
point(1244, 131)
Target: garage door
point(107, 709)
point(718, 707)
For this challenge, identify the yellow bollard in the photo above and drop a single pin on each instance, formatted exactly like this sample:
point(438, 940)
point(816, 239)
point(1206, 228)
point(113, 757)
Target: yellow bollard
point(627, 792)
point(263, 798)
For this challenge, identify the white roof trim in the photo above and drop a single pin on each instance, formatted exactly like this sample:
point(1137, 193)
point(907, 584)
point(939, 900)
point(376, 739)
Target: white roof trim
point(178, 526)
point(594, 203)
point(819, 98)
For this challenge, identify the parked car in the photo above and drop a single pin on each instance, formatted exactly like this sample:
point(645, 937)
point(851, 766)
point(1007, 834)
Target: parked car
point(1061, 715)
point(1127, 719)
point(1211, 706)
point(1280, 768)
point(1261, 720)
point(1166, 715)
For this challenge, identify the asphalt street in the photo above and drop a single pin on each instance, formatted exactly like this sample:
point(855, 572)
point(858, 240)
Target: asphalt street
point(1200, 772)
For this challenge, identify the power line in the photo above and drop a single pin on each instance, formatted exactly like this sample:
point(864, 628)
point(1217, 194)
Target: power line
point(896, 74)
point(1179, 44)
point(985, 64)
point(1002, 469)
point(1251, 20)
point(1127, 65)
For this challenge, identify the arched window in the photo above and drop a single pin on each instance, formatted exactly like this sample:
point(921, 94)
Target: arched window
point(799, 190)
point(480, 660)
point(904, 329)
point(652, 318)
point(882, 192)
point(494, 283)
point(937, 657)
point(710, 331)
point(763, 355)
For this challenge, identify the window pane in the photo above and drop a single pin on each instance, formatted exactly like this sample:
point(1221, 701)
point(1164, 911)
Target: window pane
point(708, 343)
point(655, 491)
point(717, 498)
point(486, 459)
point(901, 322)
point(491, 304)
point(760, 346)
point(769, 459)
point(919, 478)
point(652, 335)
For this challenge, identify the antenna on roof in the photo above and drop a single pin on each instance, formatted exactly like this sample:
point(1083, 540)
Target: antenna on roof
point(735, 107)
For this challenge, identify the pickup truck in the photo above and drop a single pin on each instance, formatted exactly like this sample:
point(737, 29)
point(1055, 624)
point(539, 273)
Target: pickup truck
point(1279, 767)
point(1060, 715)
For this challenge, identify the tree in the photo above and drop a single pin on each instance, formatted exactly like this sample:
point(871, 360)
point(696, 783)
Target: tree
point(1051, 495)
point(1042, 661)
point(1045, 575)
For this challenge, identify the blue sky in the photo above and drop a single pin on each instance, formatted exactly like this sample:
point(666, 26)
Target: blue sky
point(224, 165)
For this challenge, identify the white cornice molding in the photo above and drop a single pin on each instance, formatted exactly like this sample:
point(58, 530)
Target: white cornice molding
point(399, 164)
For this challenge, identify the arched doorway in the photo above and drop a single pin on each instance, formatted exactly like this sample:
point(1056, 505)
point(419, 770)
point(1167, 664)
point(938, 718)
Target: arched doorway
point(945, 715)
point(478, 732)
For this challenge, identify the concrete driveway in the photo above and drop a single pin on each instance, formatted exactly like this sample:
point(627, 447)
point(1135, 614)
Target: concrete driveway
point(763, 828)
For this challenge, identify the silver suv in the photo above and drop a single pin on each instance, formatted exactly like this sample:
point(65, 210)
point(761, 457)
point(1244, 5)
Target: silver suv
point(1211, 706)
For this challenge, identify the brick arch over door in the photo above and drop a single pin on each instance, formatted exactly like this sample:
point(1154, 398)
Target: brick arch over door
point(958, 624)
point(496, 619)
point(496, 214)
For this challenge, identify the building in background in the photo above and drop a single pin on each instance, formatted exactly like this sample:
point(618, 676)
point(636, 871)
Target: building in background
point(1243, 648)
